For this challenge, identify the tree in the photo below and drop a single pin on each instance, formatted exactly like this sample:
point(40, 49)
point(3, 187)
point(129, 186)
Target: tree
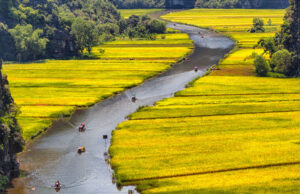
point(268, 44)
point(156, 26)
point(258, 25)
point(141, 31)
point(132, 33)
point(281, 61)
point(5, 6)
point(85, 34)
point(269, 22)
point(261, 66)
point(122, 25)
point(28, 42)
point(133, 21)
point(138, 4)
point(289, 36)
point(108, 28)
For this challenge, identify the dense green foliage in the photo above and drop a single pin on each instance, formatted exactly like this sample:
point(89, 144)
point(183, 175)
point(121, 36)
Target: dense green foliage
point(258, 25)
point(137, 4)
point(281, 61)
point(31, 29)
point(3, 183)
point(261, 66)
point(48, 22)
point(289, 36)
point(219, 3)
point(29, 43)
point(142, 26)
point(286, 44)
point(268, 44)
point(85, 34)
point(131, 4)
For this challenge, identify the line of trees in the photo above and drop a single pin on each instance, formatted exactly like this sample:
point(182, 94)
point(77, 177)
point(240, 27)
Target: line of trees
point(35, 29)
point(284, 49)
point(138, 4)
point(142, 27)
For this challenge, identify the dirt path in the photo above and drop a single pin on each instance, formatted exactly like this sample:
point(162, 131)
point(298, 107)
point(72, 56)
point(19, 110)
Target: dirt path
point(54, 155)
point(215, 171)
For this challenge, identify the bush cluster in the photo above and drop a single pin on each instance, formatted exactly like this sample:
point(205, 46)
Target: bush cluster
point(142, 27)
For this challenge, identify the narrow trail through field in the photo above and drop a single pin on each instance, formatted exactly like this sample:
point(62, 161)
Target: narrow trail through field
point(214, 115)
point(54, 155)
point(215, 171)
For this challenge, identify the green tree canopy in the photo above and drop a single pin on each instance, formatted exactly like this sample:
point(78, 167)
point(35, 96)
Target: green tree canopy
point(281, 61)
point(258, 25)
point(85, 34)
point(268, 44)
point(5, 7)
point(29, 43)
point(261, 66)
point(156, 26)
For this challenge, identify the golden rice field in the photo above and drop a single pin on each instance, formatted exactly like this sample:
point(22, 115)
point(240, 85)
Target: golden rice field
point(229, 132)
point(50, 89)
point(126, 13)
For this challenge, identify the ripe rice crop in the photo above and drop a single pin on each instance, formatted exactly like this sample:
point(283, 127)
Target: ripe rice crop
point(49, 89)
point(229, 132)
point(282, 179)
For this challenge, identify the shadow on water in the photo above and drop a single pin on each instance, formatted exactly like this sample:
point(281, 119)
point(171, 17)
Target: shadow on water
point(54, 155)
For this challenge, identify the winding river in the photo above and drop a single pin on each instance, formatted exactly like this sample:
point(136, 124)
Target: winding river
point(54, 155)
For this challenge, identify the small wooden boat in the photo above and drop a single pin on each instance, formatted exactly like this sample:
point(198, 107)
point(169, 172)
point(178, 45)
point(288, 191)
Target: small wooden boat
point(133, 99)
point(81, 150)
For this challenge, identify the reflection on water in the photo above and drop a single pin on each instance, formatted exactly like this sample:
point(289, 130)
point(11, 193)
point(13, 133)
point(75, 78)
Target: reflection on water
point(54, 156)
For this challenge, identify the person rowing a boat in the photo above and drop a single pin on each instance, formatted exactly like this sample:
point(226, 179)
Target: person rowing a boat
point(133, 99)
point(82, 127)
point(196, 68)
point(57, 185)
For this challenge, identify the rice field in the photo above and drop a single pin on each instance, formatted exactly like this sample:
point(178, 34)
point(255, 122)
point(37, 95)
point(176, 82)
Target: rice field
point(126, 13)
point(46, 90)
point(229, 132)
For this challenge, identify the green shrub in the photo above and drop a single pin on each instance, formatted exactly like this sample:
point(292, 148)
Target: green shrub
point(3, 183)
point(258, 25)
point(276, 75)
point(156, 26)
point(262, 67)
point(281, 61)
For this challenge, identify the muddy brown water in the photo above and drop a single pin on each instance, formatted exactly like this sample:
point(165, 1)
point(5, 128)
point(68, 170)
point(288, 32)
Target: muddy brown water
point(54, 156)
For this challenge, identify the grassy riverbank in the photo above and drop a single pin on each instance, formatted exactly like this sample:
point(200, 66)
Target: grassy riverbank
point(228, 132)
point(49, 89)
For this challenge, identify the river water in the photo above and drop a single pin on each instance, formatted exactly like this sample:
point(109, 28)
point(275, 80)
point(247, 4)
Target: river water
point(54, 156)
